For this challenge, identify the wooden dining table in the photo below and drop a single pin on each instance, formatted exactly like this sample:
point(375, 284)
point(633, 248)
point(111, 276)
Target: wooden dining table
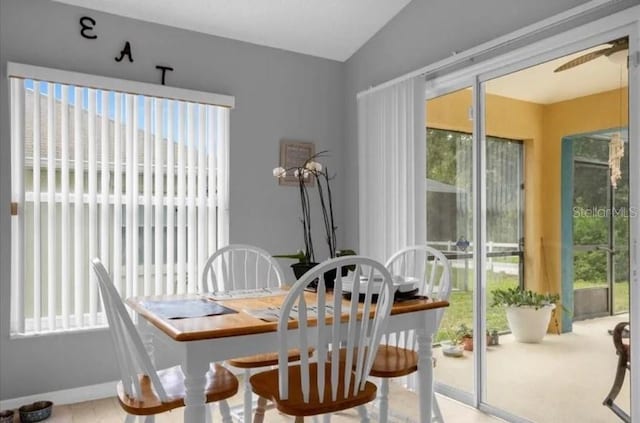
point(215, 338)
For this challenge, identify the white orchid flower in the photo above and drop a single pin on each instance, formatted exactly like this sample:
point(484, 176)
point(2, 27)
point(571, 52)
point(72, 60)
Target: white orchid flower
point(301, 171)
point(279, 172)
point(314, 166)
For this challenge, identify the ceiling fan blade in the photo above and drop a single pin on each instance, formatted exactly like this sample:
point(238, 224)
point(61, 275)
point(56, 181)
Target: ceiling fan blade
point(624, 42)
point(616, 48)
point(583, 59)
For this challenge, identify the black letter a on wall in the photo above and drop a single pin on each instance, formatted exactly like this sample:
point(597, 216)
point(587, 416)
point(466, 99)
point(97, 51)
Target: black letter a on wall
point(126, 51)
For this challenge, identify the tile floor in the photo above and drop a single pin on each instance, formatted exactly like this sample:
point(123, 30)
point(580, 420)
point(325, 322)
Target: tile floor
point(108, 411)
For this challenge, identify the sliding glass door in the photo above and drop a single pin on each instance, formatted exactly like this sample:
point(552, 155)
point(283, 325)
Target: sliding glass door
point(541, 351)
point(450, 229)
point(500, 204)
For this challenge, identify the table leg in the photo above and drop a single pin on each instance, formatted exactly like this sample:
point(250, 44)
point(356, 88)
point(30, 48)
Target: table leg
point(195, 367)
point(425, 374)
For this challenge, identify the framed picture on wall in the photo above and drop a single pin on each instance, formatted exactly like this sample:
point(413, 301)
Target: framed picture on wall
point(294, 154)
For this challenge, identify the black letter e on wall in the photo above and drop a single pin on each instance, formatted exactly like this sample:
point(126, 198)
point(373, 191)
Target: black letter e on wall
point(87, 23)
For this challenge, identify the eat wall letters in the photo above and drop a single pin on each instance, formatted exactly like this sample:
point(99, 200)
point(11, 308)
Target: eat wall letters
point(87, 30)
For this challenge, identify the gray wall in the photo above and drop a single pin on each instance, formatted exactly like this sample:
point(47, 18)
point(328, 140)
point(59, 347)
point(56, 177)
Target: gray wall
point(424, 32)
point(278, 95)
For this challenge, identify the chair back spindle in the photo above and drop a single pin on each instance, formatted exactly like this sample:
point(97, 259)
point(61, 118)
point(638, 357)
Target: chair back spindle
point(131, 355)
point(431, 271)
point(240, 266)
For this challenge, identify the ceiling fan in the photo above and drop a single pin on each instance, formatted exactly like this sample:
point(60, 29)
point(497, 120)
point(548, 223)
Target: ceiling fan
point(620, 44)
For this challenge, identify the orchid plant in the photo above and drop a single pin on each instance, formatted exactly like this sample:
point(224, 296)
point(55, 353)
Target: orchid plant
point(303, 173)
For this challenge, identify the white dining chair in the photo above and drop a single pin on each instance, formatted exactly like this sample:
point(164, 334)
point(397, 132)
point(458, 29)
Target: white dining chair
point(240, 266)
point(326, 383)
point(144, 391)
point(430, 270)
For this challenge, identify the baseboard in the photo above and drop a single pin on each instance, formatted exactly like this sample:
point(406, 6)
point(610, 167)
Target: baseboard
point(65, 396)
point(74, 395)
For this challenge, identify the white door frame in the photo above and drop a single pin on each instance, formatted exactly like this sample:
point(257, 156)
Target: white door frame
point(634, 203)
point(624, 23)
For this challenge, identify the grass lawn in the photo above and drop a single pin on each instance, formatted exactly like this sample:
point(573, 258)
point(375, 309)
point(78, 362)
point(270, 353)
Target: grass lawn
point(461, 307)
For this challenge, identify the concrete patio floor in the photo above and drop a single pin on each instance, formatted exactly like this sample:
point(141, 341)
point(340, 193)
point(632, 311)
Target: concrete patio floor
point(563, 379)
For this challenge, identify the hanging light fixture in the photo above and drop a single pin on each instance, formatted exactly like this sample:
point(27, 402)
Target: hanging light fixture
point(616, 152)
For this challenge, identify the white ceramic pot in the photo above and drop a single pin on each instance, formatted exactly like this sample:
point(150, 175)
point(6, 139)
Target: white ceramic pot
point(528, 324)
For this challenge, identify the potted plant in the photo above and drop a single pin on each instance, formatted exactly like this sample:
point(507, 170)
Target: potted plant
point(493, 337)
point(302, 265)
point(528, 312)
point(464, 336)
point(313, 169)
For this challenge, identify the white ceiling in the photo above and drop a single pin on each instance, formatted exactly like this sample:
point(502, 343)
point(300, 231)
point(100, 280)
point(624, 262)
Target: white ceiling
point(539, 84)
point(333, 29)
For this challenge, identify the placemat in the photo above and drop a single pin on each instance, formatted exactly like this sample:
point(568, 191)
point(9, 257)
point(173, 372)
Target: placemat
point(184, 309)
point(272, 314)
point(246, 293)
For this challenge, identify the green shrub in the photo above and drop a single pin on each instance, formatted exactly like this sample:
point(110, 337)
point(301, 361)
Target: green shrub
point(521, 297)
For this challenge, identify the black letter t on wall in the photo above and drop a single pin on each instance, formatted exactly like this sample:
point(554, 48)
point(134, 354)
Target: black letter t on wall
point(164, 70)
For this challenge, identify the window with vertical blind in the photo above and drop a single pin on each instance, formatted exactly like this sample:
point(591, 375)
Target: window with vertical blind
point(133, 173)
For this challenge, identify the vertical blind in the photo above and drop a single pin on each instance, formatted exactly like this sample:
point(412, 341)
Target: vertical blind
point(137, 180)
point(391, 163)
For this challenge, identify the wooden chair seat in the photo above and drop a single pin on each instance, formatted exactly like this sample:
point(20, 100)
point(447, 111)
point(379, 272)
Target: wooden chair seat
point(266, 385)
point(144, 390)
point(264, 360)
point(221, 384)
point(398, 357)
point(307, 388)
point(392, 361)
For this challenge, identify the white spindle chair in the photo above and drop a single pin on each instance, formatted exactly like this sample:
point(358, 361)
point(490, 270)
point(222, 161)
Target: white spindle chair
point(328, 383)
point(143, 391)
point(397, 356)
point(240, 266)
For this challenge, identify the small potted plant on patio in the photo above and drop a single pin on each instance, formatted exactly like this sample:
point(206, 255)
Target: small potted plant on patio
point(528, 312)
point(493, 337)
point(464, 336)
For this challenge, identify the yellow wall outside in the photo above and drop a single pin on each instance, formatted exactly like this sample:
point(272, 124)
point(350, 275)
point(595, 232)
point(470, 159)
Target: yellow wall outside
point(541, 128)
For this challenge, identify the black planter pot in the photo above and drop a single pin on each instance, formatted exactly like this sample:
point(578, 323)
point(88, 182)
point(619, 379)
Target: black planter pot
point(300, 269)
